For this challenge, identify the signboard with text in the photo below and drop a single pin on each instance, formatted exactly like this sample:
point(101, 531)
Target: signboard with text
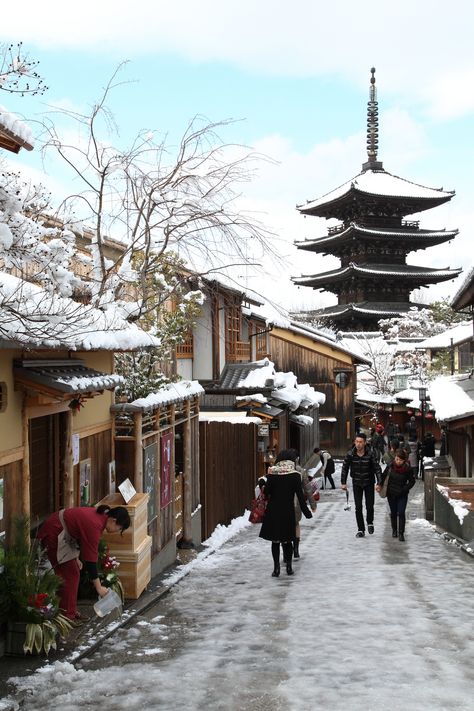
point(166, 456)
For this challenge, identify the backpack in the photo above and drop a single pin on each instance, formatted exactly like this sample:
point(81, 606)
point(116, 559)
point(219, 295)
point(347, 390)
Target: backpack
point(330, 466)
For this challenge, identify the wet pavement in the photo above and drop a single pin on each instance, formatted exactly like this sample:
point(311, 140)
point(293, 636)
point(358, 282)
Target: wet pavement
point(363, 624)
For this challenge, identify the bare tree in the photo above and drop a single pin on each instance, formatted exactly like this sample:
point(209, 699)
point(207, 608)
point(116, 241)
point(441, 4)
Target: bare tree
point(18, 73)
point(154, 199)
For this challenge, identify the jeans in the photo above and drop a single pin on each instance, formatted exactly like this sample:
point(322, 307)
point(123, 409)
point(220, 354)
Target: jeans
point(398, 505)
point(359, 492)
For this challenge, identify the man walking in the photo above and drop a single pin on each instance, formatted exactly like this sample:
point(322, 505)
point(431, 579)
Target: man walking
point(362, 464)
point(328, 467)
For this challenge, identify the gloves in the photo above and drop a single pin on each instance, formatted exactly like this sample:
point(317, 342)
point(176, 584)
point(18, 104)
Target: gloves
point(308, 514)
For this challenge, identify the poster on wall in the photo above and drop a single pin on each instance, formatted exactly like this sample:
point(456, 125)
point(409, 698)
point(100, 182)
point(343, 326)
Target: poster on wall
point(85, 467)
point(149, 478)
point(112, 477)
point(166, 443)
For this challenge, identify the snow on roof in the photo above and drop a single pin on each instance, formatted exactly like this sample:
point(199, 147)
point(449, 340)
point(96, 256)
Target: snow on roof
point(302, 420)
point(462, 289)
point(378, 269)
point(416, 235)
point(166, 395)
point(453, 397)
point(379, 182)
point(235, 418)
point(16, 129)
point(286, 388)
point(37, 318)
point(457, 334)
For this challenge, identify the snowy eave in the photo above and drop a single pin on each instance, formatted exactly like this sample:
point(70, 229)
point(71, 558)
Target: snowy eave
point(365, 396)
point(338, 309)
point(14, 129)
point(389, 270)
point(418, 235)
point(458, 334)
point(68, 377)
point(381, 183)
point(452, 397)
point(167, 395)
point(32, 317)
point(234, 418)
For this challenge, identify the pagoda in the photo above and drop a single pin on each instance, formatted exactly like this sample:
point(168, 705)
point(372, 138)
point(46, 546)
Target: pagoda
point(372, 241)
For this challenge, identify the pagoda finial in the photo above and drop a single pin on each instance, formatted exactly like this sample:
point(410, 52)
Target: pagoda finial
point(372, 127)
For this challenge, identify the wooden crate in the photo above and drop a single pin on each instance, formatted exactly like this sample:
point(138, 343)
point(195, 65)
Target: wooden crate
point(135, 569)
point(134, 536)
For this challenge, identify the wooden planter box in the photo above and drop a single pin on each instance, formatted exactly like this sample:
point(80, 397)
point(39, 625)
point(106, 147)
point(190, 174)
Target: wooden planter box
point(135, 569)
point(134, 536)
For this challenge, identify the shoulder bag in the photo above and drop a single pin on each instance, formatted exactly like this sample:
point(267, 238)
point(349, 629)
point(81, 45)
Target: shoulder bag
point(383, 490)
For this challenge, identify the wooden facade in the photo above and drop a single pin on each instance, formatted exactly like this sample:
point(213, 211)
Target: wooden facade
point(157, 449)
point(228, 471)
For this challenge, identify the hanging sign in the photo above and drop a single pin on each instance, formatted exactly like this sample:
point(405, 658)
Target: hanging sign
point(166, 452)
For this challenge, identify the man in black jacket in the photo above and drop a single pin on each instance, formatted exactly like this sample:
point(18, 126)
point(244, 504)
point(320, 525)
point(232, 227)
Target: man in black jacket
point(365, 471)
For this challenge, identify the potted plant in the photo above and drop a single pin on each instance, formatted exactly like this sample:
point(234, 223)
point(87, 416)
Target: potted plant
point(28, 596)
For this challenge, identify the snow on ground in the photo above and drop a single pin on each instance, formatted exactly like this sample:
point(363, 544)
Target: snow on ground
point(363, 625)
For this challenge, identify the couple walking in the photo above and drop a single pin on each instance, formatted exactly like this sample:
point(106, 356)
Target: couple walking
point(361, 462)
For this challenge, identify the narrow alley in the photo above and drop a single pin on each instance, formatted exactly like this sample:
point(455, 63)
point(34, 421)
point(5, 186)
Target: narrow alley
point(367, 624)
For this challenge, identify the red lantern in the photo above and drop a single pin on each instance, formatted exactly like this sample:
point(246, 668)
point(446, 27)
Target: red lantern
point(409, 412)
point(429, 416)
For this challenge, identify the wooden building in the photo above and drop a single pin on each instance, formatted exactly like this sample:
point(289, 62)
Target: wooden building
point(372, 241)
point(156, 440)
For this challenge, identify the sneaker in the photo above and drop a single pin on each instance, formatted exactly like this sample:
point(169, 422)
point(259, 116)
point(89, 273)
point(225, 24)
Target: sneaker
point(370, 528)
point(360, 534)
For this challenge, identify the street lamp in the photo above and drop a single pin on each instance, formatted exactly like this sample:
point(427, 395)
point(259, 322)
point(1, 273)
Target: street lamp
point(422, 398)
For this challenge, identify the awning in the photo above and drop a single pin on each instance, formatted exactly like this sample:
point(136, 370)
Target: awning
point(62, 377)
point(267, 411)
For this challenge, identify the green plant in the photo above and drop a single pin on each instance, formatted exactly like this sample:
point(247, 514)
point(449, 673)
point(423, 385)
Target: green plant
point(28, 592)
point(107, 566)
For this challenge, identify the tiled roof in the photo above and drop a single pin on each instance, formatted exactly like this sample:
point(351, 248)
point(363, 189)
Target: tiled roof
point(421, 274)
point(423, 238)
point(382, 309)
point(67, 377)
point(379, 183)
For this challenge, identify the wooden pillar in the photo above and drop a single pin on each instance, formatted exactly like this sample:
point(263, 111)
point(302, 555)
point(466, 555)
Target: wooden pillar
point(158, 525)
point(138, 463)
point(68, 468)
point(25, 473)
point(187, 474)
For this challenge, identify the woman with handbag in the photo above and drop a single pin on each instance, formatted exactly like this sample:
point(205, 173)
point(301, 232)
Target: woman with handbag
point(71, 537)
point(397, 480)
point(279, 523)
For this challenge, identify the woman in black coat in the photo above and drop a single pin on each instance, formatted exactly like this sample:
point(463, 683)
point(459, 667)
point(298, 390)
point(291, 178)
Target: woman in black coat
point(401, 480)
point(279, 523)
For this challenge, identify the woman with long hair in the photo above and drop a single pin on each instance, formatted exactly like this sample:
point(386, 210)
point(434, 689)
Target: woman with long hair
point(279, 524)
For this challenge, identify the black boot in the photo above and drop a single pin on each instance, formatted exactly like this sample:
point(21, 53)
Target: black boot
point(296, 547)
point(276, 559)
point(401, 528)
point(394, 519)
point(288, 549)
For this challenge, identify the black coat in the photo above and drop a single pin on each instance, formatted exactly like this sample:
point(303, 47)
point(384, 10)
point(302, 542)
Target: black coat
point(400, 482)
point(365, 470)
point(279, 523)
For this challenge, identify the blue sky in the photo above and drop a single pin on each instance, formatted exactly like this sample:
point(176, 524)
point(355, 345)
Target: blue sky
point(296, 79)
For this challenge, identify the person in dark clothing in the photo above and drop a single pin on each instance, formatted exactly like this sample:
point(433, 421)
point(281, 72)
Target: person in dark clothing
point(363, 466)
point(410, 429)
point(429, 445)
point(328, 467)
point(401, 480)
point(279, 523)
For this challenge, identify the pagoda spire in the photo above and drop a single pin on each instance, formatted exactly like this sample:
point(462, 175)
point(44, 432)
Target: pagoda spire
point(372, 128)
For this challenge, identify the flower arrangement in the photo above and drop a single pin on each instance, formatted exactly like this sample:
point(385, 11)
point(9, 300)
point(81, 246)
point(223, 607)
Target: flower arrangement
point(76, 403)
point(28, 593)
point(107, 566)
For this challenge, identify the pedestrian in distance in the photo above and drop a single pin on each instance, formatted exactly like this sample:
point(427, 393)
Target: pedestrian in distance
point(83, 527)
point(401, 479)
point(378, 441)
point(328, 466)
point(363, 466)
point(279, 523)
point(411, 430)
point(389, 455)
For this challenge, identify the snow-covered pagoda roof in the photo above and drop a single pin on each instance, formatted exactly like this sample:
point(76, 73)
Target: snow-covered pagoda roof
point(37, 319)
point(373, 184)
point(422, 275)
point(14, 134)
point(370, 308)
point(419, 239)
point(457, 334)
point(453, 397)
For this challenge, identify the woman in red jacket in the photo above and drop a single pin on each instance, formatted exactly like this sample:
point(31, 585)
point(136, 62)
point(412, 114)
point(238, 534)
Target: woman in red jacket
point(85, 525)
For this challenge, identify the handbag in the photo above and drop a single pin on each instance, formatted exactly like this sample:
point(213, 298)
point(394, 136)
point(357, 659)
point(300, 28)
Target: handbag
point(258, 508)
point(383, 490)
point(316, 495)
point(68, 547)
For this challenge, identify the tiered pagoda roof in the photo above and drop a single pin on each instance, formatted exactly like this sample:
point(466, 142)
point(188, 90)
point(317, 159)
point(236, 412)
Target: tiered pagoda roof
point(373, 240)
